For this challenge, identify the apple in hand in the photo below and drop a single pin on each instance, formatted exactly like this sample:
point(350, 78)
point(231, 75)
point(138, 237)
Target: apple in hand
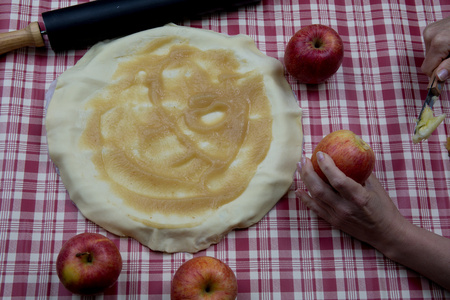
point(314, 54)
point(204, 277)
point(88, 263)
point(350, 153)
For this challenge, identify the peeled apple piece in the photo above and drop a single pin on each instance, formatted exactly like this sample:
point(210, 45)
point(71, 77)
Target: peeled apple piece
point(427, 124)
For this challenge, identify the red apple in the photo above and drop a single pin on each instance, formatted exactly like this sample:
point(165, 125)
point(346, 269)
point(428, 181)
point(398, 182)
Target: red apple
point(314, 54)
point(204, 277)
point(88, 263)
point(350, 153)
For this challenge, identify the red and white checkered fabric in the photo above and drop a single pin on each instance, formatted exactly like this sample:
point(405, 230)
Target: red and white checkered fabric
point(291, 254)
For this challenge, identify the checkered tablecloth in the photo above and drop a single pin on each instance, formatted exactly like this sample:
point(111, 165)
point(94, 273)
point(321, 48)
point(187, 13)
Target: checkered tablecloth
point(291, 253)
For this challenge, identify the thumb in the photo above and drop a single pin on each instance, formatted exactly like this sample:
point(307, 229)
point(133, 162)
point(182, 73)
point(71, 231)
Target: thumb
point(442, 71)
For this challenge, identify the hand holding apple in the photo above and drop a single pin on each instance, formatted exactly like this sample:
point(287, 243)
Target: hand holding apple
point(88, 263)
point(350, 153)
point(314, 53)
point(204, 277)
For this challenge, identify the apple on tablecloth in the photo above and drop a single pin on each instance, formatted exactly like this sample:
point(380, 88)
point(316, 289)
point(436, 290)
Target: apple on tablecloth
point(88, 263)
point(353, 156)
point(314, 53)
point(204, 278)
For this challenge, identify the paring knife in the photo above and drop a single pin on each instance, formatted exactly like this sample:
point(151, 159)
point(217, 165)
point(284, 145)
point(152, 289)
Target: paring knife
point(83, 25)
point(434, 90)
point(427, 122)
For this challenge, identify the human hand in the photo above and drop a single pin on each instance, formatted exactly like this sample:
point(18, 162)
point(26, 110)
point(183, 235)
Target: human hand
point(437, 47)
point(365, 212)
point(368, 214)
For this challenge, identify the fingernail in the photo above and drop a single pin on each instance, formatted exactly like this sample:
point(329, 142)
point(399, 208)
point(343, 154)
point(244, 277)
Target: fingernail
point(301, 163)
point(319, 155)
point(300, 194)
point(442, 75)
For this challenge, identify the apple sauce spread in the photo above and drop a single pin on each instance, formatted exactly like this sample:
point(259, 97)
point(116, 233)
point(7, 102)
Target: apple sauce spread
point(175, 136)
point(181, 131)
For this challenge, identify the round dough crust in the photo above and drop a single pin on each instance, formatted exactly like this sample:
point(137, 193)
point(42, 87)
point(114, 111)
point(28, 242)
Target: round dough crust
point(121, 177)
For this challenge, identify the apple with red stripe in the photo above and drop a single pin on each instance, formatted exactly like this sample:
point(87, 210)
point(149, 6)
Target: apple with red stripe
point(88, 264)
point(202, 278)
point(314, 53)
point(353, 156)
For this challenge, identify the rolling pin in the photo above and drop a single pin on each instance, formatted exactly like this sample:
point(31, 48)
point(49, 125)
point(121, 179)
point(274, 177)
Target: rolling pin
point(83, 25)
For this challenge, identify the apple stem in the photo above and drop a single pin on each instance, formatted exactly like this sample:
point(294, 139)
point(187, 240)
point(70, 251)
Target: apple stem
point(88, 258)
point(317, 43)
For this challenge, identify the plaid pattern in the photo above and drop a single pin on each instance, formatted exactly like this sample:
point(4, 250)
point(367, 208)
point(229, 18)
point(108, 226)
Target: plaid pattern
point(291, 253)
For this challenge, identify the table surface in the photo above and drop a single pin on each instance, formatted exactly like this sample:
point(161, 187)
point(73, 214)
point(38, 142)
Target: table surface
point(291, 253)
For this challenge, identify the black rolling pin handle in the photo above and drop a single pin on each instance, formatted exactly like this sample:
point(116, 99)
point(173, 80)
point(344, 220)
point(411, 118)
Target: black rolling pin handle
point(85, 24)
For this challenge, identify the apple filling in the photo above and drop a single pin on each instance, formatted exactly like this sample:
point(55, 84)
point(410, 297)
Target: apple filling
point(183, 120)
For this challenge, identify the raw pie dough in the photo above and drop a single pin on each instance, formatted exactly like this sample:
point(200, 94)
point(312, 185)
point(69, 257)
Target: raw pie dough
point(175, 136)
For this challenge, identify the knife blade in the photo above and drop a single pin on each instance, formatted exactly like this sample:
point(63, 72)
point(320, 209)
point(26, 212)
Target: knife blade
point(82, 25)
point(434, 90)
